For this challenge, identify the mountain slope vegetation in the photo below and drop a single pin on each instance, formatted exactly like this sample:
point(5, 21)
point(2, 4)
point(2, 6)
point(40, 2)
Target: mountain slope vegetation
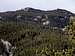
point(40, 37)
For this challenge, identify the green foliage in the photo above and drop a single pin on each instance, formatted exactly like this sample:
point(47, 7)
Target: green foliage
point(71, 31)
point(34, 40)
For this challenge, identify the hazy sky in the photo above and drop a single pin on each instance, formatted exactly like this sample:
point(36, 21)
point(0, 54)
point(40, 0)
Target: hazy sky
point(8, 5)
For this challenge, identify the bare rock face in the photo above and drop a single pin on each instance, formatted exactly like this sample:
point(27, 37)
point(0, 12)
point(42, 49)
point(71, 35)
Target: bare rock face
point(7, 48)
point(46, 23)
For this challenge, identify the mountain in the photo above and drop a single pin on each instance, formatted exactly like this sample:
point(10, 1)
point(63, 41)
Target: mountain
point(32, 32)
point(53, 18)
point(61, 11)
point(28, 9)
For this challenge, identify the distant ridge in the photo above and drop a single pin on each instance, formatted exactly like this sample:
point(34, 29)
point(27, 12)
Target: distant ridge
point(29, 9)
point(54, 18)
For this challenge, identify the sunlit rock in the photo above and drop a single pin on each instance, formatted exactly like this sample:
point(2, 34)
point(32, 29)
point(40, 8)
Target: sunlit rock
point(35, 19)
point(38, 17)
point(46, 22)
point(19, 16)
point(7, 48)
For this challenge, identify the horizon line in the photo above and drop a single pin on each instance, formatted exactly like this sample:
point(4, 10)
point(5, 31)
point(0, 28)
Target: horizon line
point(36, 8)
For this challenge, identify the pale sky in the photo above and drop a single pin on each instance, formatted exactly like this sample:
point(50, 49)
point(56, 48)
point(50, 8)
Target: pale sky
point(12, 5)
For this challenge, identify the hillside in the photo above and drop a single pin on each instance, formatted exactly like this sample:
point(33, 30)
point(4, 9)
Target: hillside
point(54, 18)
point(37, 33)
